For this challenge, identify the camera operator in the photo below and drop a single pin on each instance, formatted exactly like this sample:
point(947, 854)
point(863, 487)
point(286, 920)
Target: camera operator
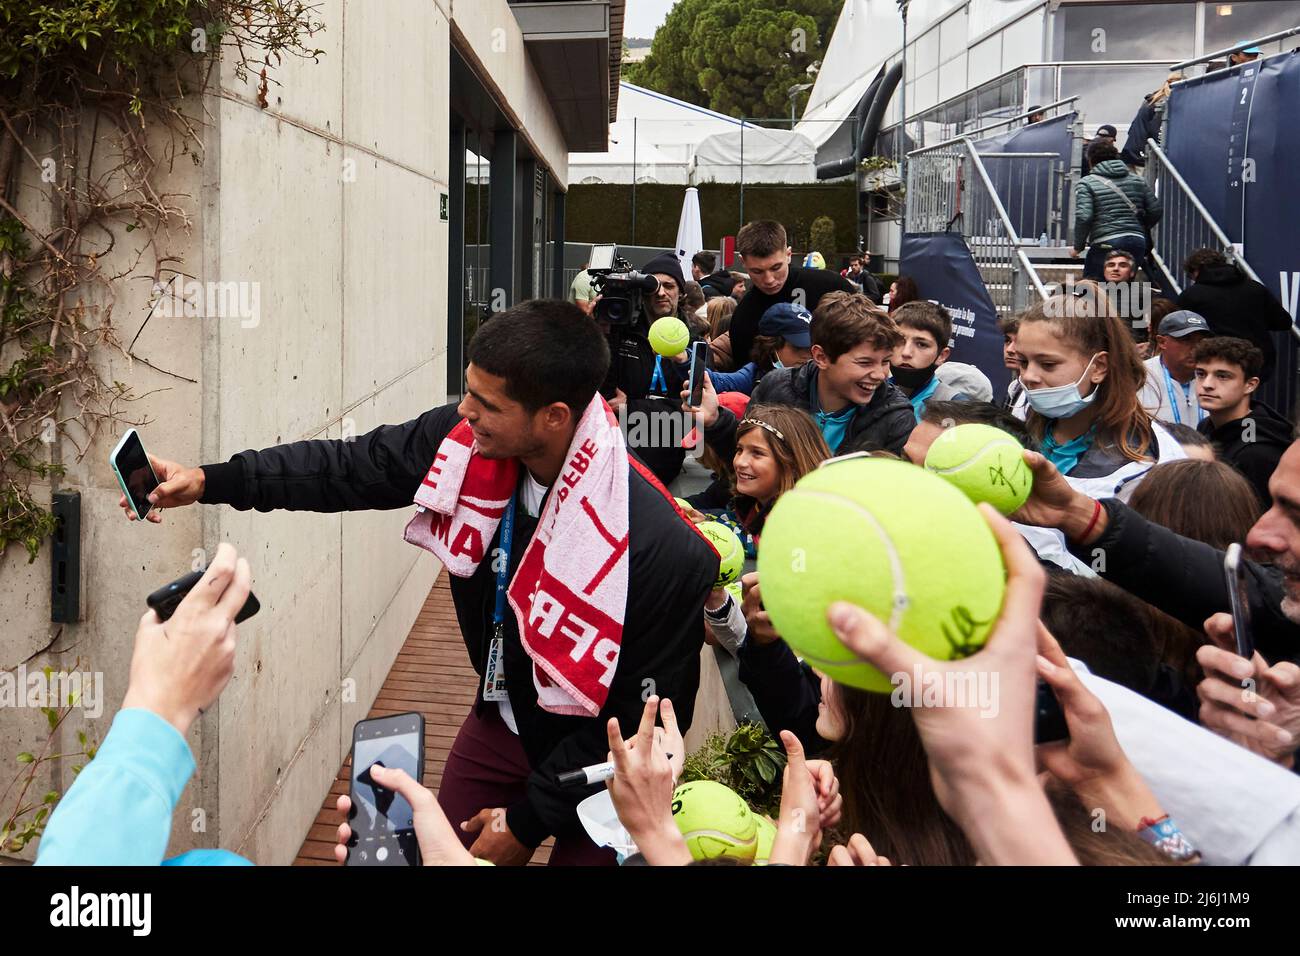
point(641, 386)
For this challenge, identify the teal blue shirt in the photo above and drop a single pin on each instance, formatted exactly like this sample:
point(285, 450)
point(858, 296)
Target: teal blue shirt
point(1066, 456)
point(118, 811)
point(918, 400)
point(835, 426)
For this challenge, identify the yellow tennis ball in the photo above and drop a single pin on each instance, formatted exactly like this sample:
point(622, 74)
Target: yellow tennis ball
point(730, 550)
point(715, 821)
point(766, 837)
point(669, 336)
point(891, 538)
point(984, 462)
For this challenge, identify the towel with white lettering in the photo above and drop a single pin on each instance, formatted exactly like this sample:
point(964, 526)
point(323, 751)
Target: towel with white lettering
point(569, 593)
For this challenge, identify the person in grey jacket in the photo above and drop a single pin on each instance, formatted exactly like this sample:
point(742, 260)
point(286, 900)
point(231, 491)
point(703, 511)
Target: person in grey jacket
point(1113, 209)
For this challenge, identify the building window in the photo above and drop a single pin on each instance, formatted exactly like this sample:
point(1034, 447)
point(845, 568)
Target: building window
point(1227, 24)
point(1128, 31)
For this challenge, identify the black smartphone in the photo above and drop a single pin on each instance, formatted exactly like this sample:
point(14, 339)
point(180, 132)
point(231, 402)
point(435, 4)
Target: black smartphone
point(165, 600)
point(1234, 572)
point(383, 823)
point(134, 473)
point(699, 363)
point(1049, 718)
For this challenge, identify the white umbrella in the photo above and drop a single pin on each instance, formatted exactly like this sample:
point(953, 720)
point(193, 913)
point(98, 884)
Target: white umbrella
point(690, 235)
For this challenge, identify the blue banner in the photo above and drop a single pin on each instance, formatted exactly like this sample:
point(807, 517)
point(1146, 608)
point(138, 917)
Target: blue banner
point(944, 272)
point(1232, 135)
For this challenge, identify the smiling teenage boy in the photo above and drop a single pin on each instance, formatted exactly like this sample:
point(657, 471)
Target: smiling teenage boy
point(923, 325)
point(845, 387)
point(1249, 435)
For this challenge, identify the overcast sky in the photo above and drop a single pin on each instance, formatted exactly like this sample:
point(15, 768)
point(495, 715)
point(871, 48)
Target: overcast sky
point(642, 17)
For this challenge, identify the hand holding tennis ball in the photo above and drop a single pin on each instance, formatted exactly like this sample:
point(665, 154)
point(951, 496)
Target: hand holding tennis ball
point(891, 538)
point(981, 760)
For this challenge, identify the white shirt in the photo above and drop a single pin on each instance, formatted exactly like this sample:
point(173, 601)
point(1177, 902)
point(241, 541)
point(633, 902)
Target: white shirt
point(1160, 387)
point(531, 494)
point(1233, 805)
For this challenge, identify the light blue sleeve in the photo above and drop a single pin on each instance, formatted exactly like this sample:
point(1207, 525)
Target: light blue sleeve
point(741, 380)
point(119, 810)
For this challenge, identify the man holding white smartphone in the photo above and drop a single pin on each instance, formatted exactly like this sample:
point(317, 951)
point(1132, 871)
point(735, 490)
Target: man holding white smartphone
point(533, 370)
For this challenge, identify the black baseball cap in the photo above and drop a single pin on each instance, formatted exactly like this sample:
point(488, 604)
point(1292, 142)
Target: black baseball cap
point(1107, 130)
point(1183, 322)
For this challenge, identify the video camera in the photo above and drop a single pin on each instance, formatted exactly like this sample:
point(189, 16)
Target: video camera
point(622, 289)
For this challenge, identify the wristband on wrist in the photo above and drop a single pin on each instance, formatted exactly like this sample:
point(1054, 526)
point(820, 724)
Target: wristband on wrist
point(1096, 513)
point(723, 610)
point(1163, 834)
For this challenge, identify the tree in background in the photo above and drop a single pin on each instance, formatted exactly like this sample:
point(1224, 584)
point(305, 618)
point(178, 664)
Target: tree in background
point(738, 57)
point(822, 238)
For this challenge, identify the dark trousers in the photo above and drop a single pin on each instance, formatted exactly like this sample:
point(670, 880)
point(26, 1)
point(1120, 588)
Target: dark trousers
point(1098, 251)
point(487, 768)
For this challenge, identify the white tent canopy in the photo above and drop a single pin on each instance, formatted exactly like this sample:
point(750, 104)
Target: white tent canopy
point(769, 156)
point(664, 131)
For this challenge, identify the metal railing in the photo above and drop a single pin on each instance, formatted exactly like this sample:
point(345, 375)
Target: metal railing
point(1185, 225)
point(949, 187)
point(1228, 51)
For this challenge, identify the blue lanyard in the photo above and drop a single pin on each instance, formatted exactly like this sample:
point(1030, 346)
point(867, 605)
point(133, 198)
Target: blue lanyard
point(503, 572)
point(658, 382)
point(1173, 402)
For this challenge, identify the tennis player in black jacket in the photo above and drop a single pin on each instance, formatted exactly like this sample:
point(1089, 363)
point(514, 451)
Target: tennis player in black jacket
point(532, 372)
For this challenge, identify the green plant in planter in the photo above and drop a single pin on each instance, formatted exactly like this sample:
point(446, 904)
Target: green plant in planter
point(748, 761)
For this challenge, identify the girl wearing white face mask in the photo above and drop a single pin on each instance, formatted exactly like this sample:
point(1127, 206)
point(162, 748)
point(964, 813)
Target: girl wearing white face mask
point(1081, 375)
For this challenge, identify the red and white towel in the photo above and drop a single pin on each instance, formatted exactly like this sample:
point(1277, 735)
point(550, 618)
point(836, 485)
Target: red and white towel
point(569, 593)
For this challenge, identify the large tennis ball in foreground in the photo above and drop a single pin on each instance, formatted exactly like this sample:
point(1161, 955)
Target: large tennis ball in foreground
point(891, 538)
point(986, 463)
point(715, 821)
point(669, 336)
point(729, 549)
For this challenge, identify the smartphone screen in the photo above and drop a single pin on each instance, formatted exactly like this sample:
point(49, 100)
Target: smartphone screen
point(699, 362)
point(1234, 570)
point(383, 823)
point(1049, 718)
point(134, 473)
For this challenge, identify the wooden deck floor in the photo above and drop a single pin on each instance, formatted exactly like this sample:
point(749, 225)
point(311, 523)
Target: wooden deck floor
point(432, 675)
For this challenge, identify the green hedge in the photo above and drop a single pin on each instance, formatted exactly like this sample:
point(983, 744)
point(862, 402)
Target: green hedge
point(603, 212)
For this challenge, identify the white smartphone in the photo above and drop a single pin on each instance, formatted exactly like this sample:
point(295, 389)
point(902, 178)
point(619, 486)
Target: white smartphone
point(134, 473)
point(1234, 572)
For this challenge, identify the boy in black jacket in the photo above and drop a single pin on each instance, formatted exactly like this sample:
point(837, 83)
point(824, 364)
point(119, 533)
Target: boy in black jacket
point(1249, 435)
point(533, 370)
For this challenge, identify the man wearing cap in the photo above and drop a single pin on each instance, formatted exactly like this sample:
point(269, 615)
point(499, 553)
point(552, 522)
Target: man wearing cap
point(1244, 56)
point(1169, 393)
point(1105, 134)
point(640, 382)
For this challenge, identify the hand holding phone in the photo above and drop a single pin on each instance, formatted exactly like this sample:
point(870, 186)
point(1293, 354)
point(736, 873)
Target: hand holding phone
point(167, 598)
point(172, 485)
point(380, 820)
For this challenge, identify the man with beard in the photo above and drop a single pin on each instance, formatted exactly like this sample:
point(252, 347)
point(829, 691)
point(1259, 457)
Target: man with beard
point(1184, 578)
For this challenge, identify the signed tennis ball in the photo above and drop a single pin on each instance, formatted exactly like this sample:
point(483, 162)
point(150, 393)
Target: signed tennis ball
point(891, 538)
point(715, 821)
point(669, 336)
point(729, 549)
point(984, 462)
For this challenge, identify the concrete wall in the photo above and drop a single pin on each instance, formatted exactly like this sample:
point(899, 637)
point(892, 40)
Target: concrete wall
point(327, 203)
